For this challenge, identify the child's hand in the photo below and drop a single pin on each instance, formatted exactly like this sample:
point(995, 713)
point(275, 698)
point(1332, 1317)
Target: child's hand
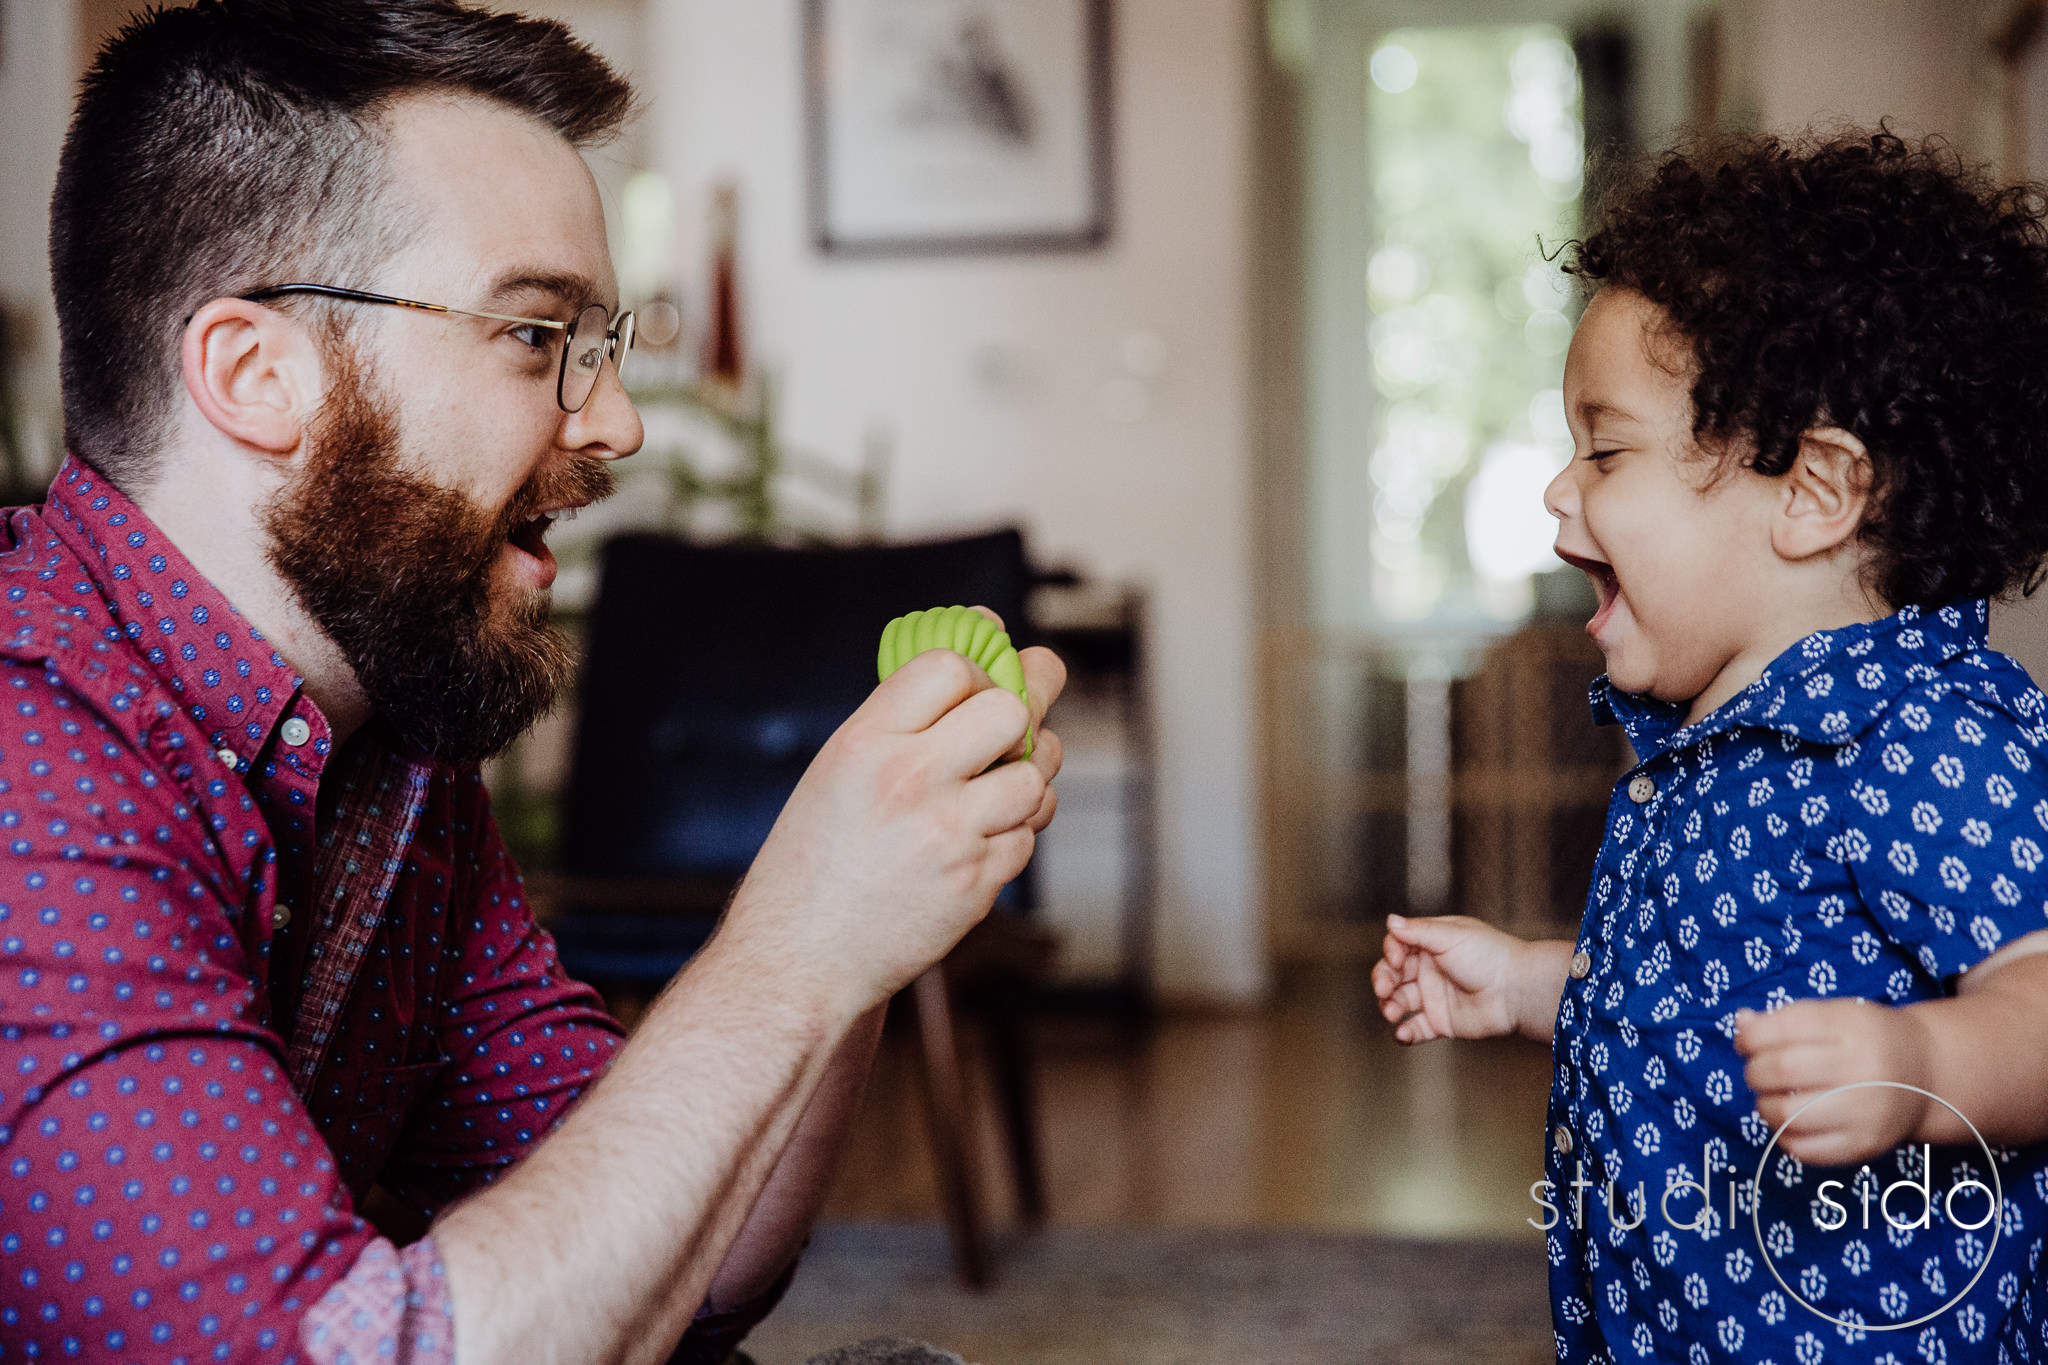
point(1811, 1046)
point(1451, 976)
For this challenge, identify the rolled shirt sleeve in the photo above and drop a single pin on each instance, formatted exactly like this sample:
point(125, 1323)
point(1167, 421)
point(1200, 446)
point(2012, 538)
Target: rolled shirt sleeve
point(391, 1306)
point(170, 1198)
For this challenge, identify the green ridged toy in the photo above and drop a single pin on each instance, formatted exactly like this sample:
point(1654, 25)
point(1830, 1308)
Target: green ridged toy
point(963, 630)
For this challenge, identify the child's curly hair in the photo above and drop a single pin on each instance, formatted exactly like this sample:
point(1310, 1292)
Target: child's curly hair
point(1863, 283)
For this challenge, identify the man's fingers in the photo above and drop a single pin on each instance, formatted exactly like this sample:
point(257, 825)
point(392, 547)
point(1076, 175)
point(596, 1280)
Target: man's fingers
point(980, 730)
point(1004, 798)
point(1045, 677)
point(917, 695)
point(1007, 854)
point(1047, 809)
point(930, 685)
point(1047, 754)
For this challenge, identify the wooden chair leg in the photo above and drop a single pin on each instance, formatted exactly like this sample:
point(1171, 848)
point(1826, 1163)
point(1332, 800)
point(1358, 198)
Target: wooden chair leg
point(1011, 1061)
point(952, 1144)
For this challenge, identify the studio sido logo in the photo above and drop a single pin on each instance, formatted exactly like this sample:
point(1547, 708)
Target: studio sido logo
point(1882, 1246)
point(1947, 1219)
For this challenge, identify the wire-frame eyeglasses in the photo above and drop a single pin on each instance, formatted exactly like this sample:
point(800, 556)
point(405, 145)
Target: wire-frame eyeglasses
point(586, 343)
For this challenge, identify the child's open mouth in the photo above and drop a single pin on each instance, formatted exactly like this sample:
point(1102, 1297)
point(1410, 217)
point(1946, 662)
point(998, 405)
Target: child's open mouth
point(1604, 583)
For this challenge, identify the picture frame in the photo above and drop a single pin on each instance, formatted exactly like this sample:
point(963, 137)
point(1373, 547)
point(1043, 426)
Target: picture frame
point(956, 127)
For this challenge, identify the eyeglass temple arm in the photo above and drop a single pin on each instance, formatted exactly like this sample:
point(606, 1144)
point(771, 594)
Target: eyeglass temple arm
point(365, 296)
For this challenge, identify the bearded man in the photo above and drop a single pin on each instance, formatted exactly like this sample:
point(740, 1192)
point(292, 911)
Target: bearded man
point(339, 340)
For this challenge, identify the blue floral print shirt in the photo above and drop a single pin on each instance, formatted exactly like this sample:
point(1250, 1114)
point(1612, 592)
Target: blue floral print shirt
point(1868, 819)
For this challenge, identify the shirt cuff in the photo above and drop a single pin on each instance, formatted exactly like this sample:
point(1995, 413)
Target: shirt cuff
point(714, 1336)
point(392, 1307)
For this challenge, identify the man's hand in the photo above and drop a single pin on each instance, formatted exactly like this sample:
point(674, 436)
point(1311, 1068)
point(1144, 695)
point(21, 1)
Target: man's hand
point(1811, 1046)
point(1452, 976)
point(900, 834)
point(894, 843)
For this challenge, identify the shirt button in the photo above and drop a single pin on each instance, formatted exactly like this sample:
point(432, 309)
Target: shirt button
point(1641, 788)
point(1582, 962)
point(1562, 1139)
point(280, 917)
point(296, 732)
point(227, 756)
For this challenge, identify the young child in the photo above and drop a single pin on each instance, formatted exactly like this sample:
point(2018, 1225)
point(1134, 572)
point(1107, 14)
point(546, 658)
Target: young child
point(1809, 400)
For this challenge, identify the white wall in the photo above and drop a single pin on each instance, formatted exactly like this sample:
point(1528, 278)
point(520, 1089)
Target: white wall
point(1914, 61)
point(1001, 381)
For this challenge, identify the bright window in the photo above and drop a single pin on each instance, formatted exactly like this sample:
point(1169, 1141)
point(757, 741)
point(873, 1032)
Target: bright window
point(1475, 152)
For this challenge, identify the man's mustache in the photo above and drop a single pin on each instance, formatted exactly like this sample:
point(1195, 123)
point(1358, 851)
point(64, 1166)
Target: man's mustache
point(579, 483)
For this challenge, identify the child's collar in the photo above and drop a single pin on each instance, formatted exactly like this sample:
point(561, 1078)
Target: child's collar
point(1827, 689)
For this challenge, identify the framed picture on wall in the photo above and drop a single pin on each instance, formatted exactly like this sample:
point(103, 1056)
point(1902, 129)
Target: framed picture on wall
point(958, 126)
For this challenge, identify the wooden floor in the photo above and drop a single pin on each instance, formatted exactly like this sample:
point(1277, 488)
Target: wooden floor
point(1306, 1113)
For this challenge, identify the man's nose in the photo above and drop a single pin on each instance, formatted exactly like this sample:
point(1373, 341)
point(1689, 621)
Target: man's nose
point(608, 427)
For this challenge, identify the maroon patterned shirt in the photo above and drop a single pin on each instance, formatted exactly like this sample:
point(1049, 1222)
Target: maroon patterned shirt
point(242, 977)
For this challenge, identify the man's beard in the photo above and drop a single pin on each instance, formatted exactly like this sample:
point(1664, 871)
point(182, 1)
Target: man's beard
point(396, 569)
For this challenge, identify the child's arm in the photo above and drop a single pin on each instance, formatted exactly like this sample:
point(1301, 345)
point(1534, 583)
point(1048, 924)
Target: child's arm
point(1985, 1051)
point(1452, 976)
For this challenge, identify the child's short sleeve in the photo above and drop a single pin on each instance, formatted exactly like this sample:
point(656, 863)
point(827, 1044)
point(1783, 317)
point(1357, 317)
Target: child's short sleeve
point(1946, 828)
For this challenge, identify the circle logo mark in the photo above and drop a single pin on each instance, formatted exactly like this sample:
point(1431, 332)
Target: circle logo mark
point(1997, 1208)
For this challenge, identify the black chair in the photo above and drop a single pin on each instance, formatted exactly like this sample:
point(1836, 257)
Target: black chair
point(714, 675)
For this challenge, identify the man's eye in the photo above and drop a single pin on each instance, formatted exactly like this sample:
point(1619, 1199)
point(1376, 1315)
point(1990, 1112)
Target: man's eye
point(1599, 455)
point(540, 338)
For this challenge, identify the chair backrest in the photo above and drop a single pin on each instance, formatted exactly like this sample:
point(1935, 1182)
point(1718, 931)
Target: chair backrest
point(715, 673)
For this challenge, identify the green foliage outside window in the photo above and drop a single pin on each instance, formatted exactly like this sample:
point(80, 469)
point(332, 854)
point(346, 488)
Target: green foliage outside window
point(1476, 152)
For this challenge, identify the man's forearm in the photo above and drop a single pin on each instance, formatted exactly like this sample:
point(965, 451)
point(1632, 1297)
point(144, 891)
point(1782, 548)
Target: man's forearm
point(600, 1245)
point(603, 1241)
point(783, 1214)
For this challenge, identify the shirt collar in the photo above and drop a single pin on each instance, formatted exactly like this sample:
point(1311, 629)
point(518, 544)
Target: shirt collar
point(1827, 689)
point(228, 677)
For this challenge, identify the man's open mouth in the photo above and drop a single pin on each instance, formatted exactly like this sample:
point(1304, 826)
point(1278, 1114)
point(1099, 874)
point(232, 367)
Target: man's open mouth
point(531, 535)
point(1605, 583)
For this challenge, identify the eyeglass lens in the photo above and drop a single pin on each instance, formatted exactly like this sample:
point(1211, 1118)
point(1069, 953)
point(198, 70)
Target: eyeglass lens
point(591, 337)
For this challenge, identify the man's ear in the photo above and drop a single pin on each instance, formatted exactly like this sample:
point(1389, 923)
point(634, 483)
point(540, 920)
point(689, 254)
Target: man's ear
point(253, 374)
point(1823, 496)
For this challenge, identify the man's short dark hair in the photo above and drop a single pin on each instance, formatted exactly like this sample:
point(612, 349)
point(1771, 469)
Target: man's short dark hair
point(240, 143)
point(1862, 282)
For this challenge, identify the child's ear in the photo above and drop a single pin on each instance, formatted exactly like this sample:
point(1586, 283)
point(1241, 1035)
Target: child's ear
point(1823, 496)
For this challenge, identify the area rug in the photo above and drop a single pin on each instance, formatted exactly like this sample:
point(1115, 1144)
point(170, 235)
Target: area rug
point(1135, 1296)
